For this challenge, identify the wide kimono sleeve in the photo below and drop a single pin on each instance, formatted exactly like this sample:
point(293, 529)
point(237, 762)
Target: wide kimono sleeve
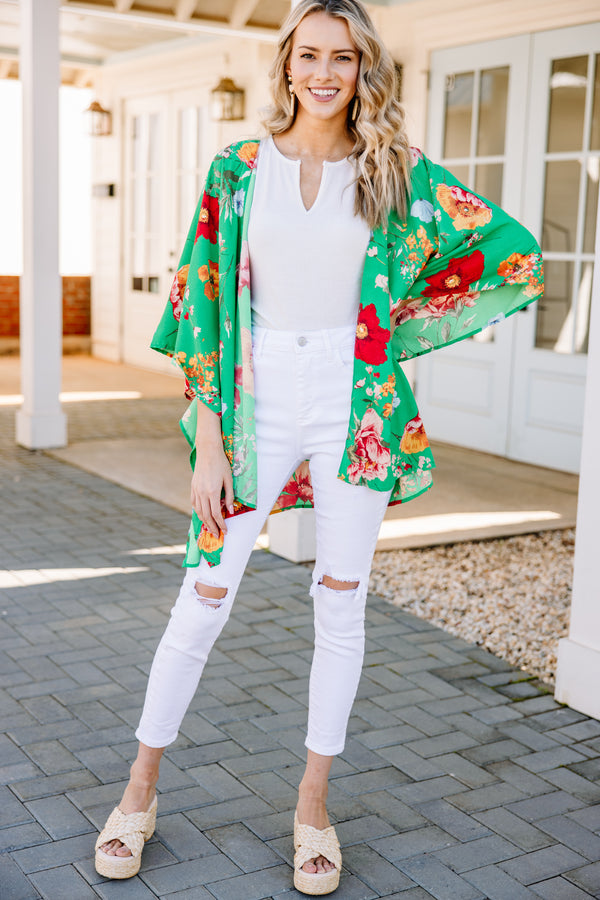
point(472, 265)
point(188, 330)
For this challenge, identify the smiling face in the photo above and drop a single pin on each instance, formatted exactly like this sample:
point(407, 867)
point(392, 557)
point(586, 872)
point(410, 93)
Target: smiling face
point(323, 64)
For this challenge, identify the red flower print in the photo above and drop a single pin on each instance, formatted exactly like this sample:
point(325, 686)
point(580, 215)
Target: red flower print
point(456, 277)
point(371, 338)
point(435, 308)
point(208, 220)
point(177, 289)
point(370, 459)
point(298, 488)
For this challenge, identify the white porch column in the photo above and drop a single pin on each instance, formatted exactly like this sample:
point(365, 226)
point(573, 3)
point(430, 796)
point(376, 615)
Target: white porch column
point(40, 421)
point(578, 670)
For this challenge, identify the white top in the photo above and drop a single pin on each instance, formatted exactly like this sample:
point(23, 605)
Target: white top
point(305, 265)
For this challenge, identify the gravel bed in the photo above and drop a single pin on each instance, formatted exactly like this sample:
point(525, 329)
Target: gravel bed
point(511, 595)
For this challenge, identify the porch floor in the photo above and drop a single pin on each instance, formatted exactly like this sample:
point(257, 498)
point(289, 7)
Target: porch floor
point(135, 441)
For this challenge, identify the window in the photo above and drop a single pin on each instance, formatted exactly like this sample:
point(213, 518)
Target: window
point(571, 173)
point(144, 181)
point(475, 135)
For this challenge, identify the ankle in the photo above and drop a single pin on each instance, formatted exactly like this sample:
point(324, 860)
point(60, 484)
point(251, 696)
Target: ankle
point(316, 793)
point(142, 777)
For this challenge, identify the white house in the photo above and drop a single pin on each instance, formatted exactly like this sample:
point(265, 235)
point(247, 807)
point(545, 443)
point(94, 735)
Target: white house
point(505, 93)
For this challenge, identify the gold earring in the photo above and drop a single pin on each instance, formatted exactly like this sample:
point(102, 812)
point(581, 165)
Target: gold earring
point(355, 107)
point(292, 97)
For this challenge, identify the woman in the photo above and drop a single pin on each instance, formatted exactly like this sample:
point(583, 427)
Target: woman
point(362, 254)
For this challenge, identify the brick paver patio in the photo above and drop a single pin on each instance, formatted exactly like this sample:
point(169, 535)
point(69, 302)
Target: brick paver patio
point(461, 778)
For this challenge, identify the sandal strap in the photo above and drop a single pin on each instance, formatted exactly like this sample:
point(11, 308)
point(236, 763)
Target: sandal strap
point(131, 829)
point(312, 842)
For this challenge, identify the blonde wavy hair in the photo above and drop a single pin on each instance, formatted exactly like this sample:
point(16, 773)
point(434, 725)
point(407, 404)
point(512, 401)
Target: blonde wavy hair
point(381, 150)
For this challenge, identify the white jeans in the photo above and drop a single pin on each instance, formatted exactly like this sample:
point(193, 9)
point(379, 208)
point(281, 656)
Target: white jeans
point(303, 384)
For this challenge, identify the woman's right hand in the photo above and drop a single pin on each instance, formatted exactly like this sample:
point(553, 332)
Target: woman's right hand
point(212, 479)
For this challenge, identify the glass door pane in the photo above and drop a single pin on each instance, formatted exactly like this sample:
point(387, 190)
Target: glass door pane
point(493, 96)
point(568, 83)
point(572, 170)
point(459, 114)
point(145, 197)
point(189, 139)
point(474, 139)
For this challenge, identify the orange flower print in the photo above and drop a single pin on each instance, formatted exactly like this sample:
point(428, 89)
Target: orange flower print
point(247, 153)
point(210, 275)
point(534, 288)
point(208, 542)
point(414, 439)
point(388, 386)
point(467, 210)
point(518, 268)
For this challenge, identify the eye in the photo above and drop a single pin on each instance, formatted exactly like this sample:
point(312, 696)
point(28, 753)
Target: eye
point(307, 56)
point(344, 58)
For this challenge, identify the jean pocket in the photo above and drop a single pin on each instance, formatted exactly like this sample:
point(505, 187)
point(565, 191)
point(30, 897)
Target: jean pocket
point(345, 355)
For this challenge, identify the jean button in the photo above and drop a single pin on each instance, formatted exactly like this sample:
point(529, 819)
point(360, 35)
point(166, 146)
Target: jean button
point(302, 341)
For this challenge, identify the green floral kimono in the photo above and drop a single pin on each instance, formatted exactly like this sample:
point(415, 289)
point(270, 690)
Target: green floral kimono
point(458, 264)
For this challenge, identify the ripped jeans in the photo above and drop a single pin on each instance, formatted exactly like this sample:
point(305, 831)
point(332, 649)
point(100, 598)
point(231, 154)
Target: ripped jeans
point(303, 384)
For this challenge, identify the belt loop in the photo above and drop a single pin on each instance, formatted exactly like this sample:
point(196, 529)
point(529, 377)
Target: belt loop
point(328, 345)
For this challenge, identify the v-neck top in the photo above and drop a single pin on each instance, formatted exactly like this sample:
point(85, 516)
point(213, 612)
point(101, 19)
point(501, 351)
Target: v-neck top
point(305, 264)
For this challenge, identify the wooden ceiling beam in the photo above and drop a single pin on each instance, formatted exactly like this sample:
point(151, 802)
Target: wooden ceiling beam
point(184, 10)
point(167, 21)
point(242, 12)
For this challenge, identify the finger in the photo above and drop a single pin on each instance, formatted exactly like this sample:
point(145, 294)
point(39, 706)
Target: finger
point(229, 498)
point(217, 513)
point(206, 516)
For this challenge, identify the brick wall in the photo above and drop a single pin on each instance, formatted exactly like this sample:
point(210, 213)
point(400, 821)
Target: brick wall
point(76, 305)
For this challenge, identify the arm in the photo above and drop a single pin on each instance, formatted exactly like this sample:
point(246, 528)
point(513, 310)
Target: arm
point(476, 266)
point(212, 472)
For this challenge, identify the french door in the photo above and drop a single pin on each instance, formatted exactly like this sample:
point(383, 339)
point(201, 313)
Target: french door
point(521, 125)
point(168, 142)
point(477, 120)
point(561, 202)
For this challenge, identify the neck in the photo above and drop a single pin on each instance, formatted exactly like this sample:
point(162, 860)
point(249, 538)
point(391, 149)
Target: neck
point(321, 139)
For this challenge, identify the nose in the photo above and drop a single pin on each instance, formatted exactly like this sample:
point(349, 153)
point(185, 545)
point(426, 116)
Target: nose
point(323, 69)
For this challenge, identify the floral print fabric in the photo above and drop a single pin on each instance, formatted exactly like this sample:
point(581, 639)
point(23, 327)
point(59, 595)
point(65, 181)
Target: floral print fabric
point(457, 264)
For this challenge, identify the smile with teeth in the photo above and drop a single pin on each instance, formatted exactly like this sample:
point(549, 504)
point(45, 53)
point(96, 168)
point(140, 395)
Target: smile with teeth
point(324, 92)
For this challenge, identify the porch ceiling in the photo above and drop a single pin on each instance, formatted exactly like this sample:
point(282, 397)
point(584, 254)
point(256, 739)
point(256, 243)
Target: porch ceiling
point(91, 31)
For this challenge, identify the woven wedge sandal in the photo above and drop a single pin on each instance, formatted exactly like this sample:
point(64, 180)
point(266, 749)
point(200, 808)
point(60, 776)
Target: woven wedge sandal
point(133, 830)
point(310, 842)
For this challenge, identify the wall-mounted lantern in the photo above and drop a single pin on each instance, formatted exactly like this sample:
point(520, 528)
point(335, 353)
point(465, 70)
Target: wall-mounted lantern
point(99, 120)
point(227, 101)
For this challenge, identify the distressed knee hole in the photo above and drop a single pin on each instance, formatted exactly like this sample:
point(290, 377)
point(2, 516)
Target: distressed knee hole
point(335, 585)
point(210, 595)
